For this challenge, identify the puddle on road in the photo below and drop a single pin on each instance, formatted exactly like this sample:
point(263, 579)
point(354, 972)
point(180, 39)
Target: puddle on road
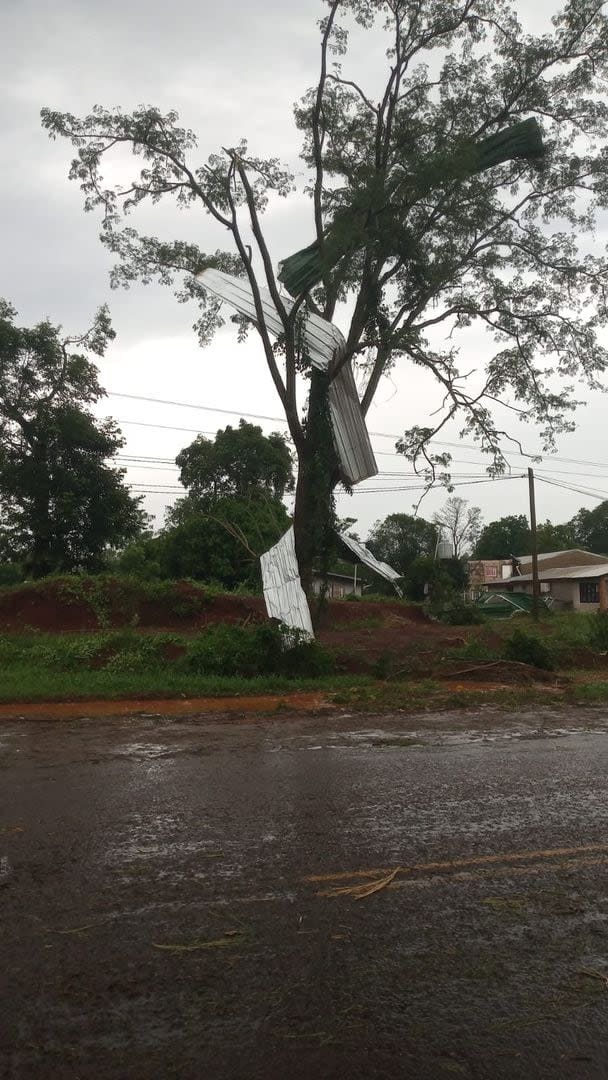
point(409, 740)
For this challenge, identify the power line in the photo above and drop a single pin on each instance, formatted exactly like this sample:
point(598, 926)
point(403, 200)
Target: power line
point(585, 492)
point(281, 420)
point(424, 487)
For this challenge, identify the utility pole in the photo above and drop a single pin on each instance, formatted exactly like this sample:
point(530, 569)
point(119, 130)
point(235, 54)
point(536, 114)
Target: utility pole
point(535, 581)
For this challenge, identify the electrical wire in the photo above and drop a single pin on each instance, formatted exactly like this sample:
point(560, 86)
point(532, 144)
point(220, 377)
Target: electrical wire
point(281, 420)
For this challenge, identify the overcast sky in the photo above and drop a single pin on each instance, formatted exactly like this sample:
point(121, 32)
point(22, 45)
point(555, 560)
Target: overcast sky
point(230, 71)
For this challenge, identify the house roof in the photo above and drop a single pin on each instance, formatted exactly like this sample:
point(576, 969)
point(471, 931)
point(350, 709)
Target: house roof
point(557, 573)
point(570, 558)
point(332, 574)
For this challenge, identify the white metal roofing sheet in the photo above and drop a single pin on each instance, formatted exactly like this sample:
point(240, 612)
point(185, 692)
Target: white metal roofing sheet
point(324, 341)
point(366, 557)
point(285, 598)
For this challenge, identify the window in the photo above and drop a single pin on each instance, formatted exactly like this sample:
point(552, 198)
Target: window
point(589, 592)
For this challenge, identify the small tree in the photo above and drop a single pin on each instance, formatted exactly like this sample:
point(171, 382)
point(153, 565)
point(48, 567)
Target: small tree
point(401, 538)
point(408, 228)
point(461, 523)
point(233, 510)
point(590, 528)
point(238, 462)
point(62, 503)
point(505, 537)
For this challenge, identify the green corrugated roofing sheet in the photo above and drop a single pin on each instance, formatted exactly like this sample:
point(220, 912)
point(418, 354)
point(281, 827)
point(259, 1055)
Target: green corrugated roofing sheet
point(502, 605)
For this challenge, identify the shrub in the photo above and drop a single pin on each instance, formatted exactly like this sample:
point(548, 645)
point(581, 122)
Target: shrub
point(458, 613)
point(529, 649)
point(246, 651)
point(598, 630)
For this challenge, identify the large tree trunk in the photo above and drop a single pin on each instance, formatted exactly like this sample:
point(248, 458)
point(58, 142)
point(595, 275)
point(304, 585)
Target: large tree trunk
point(303, 518)
point(314, 513)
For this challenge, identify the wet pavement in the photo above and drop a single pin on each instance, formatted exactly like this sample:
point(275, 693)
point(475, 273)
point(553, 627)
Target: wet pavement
point(186, 897)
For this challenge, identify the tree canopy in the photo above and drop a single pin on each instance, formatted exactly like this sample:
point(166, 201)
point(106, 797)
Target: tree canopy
point(501, 539)
point(62, 501)
point(232, 512)
point(509, 249)
point(590, 528)
point(239, 461)
point(401, 538)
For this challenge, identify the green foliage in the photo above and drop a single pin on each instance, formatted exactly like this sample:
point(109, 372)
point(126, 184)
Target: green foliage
point(598, 630)
point(438, 581)
point(556, 537)
point(256, 650)
point(220, 650)
point(529, 648)
point(218, 540)
point(117, 600)
point(508, 536)
point(315, 521)
point(10, 574)
point(400, 539)
point(61, 502)
point(239, 462)
point(511, 536)
point(456, 612)
point(590, 528)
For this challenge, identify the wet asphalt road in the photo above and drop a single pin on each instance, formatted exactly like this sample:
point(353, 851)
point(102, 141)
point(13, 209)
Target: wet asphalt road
point(169, 899)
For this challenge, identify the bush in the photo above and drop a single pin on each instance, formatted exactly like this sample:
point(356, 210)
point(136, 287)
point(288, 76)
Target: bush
point(459, 613)
point(246, 651)
point(598, 630)
point(529, 649)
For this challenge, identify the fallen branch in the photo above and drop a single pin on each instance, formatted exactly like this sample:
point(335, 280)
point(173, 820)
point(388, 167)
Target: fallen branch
point(359, 892)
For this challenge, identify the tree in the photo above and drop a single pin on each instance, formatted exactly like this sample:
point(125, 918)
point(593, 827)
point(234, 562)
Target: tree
point(401, 538)
point(555, 537)
point(220, 540)
point(435, 580)
point(508, 536)
point(233, 510)
point(62, 503)
point(437, 249)
point(461, 523)
point(239, 461)
point(590, 528)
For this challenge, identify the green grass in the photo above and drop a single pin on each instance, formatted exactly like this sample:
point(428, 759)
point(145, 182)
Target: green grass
point(122, 664)
point(23, 683)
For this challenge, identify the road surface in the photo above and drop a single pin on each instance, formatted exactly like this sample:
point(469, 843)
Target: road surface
point(173, 897)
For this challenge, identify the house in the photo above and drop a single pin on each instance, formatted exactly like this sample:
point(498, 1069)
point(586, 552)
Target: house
point(573, 580)
point(483, 572)
point(338, 585)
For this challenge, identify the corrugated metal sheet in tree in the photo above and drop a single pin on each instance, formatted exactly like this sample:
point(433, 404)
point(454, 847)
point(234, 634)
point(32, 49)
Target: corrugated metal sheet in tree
point(323, 342)
point(285, 598)
point(366, 557)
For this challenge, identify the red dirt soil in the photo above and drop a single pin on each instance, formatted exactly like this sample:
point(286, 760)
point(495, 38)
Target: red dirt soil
point(366, 636)
point(67, 710)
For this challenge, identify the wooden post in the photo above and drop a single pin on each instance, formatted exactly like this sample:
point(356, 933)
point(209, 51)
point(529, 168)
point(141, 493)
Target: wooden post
point(603, 591)
point(535, 581)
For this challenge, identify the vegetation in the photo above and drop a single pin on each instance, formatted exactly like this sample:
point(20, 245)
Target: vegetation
point(401, 538)
point(61, 501)
point(426, 246)
point(460, 523)
point(232, 512)
point(529, 649)
point(237, 463)
point(112, 665)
